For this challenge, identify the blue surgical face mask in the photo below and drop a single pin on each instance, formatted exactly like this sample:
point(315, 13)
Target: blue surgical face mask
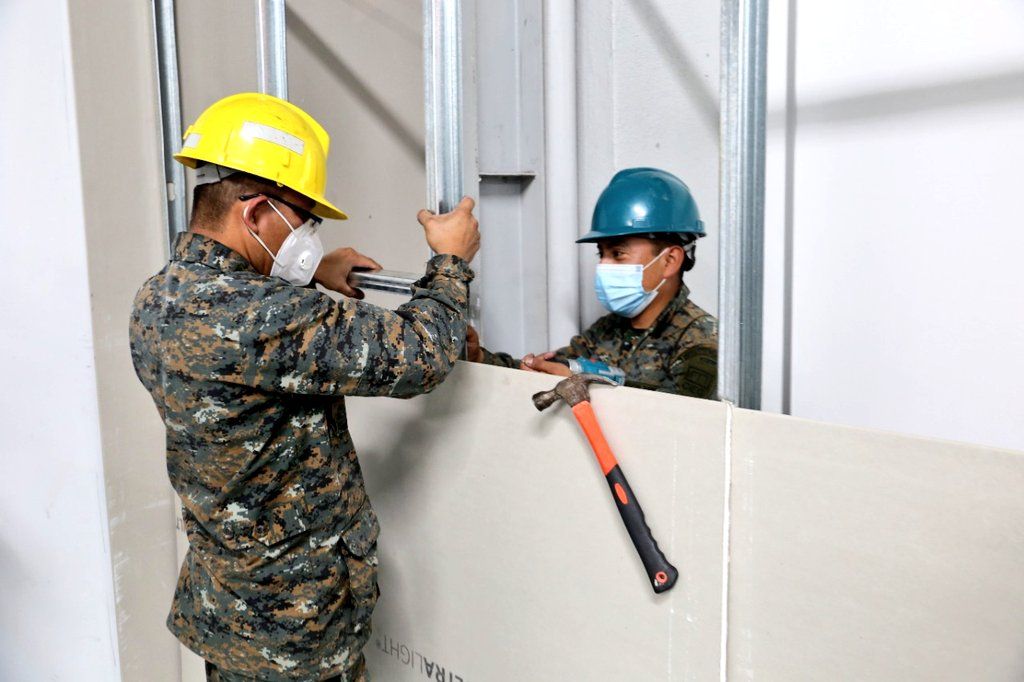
point(620, 288)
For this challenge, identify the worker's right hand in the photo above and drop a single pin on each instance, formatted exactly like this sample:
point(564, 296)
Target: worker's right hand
point(473, 351)
point(538, 362)
point(542, 363)
point(454, 233)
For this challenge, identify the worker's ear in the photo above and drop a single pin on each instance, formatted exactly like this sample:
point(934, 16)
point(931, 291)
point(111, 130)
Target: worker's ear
point(674, 258)
point(252, 210)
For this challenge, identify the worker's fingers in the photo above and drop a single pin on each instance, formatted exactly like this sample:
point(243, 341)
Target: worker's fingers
point(555, 368)
point(423, 216)
point(346, 289)
point(547, 356)
point(527, 362)
point(361, 261)
point(466, 204)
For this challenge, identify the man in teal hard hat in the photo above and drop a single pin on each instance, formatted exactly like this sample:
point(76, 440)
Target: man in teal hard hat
point(645, 225)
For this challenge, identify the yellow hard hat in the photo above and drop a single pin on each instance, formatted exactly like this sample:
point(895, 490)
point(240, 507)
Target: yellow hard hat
point(266, 137)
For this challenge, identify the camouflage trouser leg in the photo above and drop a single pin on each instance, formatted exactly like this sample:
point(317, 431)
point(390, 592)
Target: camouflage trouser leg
point(215, 675)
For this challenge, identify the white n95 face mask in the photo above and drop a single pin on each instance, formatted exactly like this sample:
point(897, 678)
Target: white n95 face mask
point(300, 254)
point(620, 288)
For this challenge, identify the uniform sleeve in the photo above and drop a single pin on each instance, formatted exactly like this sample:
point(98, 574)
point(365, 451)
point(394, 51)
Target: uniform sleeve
point(695, 372)
point(694, 369)
point(302, 341)
point(580, 346)
point(498, 359)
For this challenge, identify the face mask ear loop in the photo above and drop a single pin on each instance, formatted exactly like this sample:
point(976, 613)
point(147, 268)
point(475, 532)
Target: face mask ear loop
point(663, 279)
point(245, 218)
point(660, 254)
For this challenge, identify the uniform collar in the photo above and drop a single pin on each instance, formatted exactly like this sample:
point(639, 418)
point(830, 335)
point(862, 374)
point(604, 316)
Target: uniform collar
point(665, 316)
point(675, 305)
point(191, 247)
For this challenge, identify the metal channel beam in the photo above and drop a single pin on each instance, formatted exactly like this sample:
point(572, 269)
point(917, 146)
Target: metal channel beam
point(741, 250)
point(562, 169)
point(170, 116)
point(442, 82)
point(442, 90)
point(272, 74)
point(272, 48)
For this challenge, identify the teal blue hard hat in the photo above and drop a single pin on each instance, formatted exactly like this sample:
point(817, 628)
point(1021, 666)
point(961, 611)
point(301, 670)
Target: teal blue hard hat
point(642, 201)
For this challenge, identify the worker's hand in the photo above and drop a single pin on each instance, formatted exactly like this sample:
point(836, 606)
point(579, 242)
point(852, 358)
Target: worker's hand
point(337, 265)
point(543, 363)
point(453, 233)
point(473, 351)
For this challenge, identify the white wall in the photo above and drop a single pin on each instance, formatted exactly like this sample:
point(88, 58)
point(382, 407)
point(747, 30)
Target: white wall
point(123, 200)
point(58, 618)
point(648, 96)
point(905, 128)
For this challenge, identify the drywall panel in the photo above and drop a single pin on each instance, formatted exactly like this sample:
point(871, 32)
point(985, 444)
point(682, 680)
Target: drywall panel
point(502, 554)
point(124, 223)
point(860, 555)
point(58, 619)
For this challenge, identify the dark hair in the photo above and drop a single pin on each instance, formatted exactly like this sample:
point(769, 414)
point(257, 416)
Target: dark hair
point(210, 202)
point(663, 240)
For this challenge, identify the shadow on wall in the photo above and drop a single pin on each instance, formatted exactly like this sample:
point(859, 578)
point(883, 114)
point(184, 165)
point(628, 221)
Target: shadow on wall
point(394, 24)
point(679, 62)
point(409, 140)
point(905, 101)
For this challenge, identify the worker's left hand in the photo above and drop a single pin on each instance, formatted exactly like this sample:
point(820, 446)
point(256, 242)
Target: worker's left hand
point(474, 353)
point(542, 363)
point(337, 265)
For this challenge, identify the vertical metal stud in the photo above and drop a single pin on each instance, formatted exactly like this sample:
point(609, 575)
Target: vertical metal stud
point(170, 116)
point(272, 48)
point(442, 82)
point(741, 250)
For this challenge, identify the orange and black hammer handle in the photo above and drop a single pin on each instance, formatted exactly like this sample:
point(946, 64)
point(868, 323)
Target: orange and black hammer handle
point(661, 573)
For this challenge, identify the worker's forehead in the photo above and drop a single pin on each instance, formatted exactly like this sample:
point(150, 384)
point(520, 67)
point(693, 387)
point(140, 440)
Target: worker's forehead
point(625, 242)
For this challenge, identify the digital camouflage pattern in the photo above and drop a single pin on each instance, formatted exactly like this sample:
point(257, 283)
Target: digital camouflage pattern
point(677, 354)
point(248, 374)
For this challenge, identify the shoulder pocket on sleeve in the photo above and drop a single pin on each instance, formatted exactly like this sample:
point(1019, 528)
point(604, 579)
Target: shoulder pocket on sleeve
point(361, 536)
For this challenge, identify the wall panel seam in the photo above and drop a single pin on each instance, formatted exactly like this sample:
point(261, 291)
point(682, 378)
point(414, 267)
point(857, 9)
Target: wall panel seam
point(723, 669)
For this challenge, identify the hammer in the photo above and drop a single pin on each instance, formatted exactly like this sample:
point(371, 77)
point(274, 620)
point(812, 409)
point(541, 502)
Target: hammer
point(573, 390)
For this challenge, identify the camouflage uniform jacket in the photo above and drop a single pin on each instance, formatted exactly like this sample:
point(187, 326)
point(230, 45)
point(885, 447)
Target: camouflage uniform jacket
point(677, 354)
point(248, 374)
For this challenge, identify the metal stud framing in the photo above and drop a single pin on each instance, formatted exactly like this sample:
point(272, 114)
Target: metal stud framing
point(741, 242)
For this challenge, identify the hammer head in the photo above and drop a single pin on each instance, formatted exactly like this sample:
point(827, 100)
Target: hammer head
point(572, 390)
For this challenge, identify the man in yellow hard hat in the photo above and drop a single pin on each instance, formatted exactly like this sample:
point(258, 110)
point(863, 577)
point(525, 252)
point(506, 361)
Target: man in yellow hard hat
point(248, 366)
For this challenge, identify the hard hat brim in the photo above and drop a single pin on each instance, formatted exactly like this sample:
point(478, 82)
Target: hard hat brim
point(596, 236)
point(326, 209)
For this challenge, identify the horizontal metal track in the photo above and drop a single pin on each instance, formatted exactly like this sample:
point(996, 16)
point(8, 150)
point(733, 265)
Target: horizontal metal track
point(384, 280)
